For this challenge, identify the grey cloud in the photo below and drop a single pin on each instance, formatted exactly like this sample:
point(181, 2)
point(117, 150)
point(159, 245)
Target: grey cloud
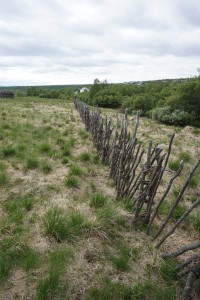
point(85, 38)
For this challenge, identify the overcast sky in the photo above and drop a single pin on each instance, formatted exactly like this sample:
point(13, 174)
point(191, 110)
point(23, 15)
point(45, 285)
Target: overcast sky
point(71, 41)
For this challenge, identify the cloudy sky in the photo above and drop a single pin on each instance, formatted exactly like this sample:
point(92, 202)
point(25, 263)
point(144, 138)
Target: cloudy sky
point(71, 41)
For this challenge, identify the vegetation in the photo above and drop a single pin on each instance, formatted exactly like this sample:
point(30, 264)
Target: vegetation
point(63, 234)
point(173, 102)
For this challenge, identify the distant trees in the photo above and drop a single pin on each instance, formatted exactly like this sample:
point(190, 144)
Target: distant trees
point(175, 102)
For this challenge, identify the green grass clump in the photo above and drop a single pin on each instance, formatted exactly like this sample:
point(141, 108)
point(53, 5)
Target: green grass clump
point(174, 165)
point(75, 170)
point(2, 166)
point(193, 183)
point(168, 270)
point(84, 134)
point(98, 200)
point(28, 258)
point(46, 168)
point(14, 253)
point(50, 287)
point(185, 156)
point(96, 159)
point(109, 290)
point(64, 226)
point(17, 207)
point(27, 203)
point(65, 161)
point(44, 148)
point(3, 178)
point(71, 181)
point(195, 220)
point(32, 163)
point(85, 156)
point(121, 260)
point(9, 151)
point(4, 267)
point(66, 132)
point(179, 211)
point(66, 151)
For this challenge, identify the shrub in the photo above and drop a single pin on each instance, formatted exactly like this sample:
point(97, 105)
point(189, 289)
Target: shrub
point(167, 116)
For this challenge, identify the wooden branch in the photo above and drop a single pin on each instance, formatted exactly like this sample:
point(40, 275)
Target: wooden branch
point(188, 261)
point(164, 195)
point(188, 286)
point(184, 249)
point(177, 199)
point(180, 220)
point(133, 140)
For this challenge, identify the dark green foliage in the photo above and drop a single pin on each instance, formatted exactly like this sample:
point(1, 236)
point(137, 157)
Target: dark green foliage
point(168, 116)
point(174, 102)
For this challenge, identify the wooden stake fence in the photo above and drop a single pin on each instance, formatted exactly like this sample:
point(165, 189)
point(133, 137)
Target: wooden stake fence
point(138, 178)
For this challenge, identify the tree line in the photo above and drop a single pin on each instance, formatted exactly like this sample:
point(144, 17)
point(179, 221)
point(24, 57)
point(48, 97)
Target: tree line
point(173, 102)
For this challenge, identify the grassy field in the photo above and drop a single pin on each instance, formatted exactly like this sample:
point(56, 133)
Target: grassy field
point(62, 233)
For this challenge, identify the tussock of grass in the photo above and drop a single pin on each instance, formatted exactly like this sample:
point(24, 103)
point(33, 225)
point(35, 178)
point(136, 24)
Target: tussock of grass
point(174, 165)
point(3, 178)
point(185, 156)
point(167, 270)
point(64, 226)
point(107, 289)
point(84, 134)
point(85, 156)
point(9, 151)
point(193, 183)
point(75, 170)
point(121, 260)
point(46, 168)
point(71, 181)
point(195, 220)
point(50, 287)
point(13, 254)
point(44, 148)
point(98, 200)
point(32, 163)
